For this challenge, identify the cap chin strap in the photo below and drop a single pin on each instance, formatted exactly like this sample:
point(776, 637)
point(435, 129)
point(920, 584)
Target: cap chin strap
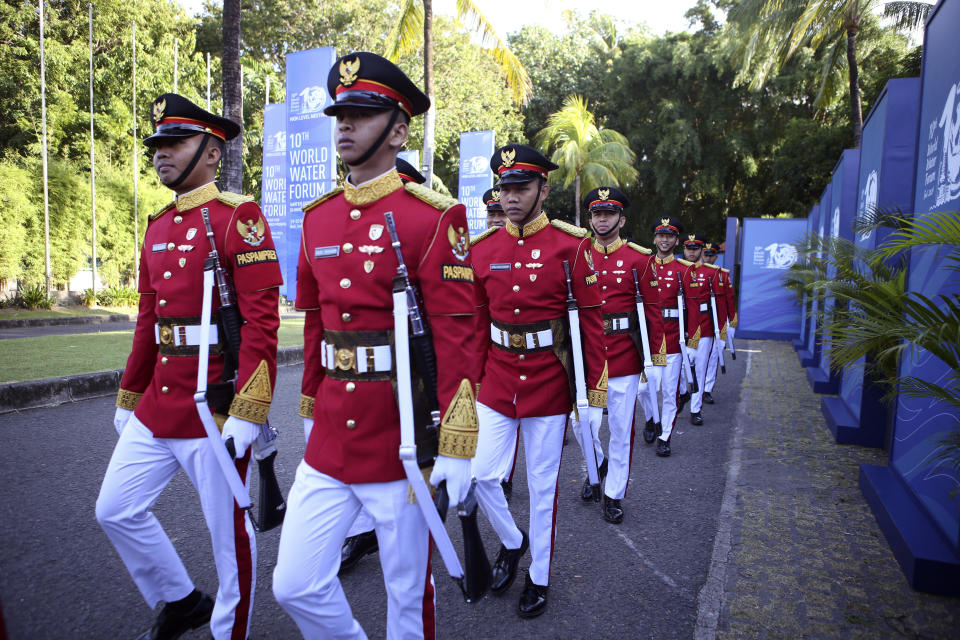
point(193, 163)
point(383, 136)
point(526, 218)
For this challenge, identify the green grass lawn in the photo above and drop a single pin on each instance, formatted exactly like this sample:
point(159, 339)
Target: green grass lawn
point(55, 356)
point(60, 312)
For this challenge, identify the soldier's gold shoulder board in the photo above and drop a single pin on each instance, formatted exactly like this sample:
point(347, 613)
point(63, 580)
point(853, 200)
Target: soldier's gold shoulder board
point(167, 207)
point(636, 247)
point(233, 199)
point(436, 200)
point(712, 266)
point(566, 227)
point(685, 263)
point(323, 198)
point(474, 240)
point(724, 270)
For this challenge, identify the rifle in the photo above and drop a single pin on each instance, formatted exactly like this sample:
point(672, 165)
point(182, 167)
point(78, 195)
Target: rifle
point(272, 505)
point(580, 386)
point(716, 325)
point(476, 571)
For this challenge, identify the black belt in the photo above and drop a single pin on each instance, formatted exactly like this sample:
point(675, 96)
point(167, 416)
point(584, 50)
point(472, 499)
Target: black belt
point(516, 335)
point(359, 355)
point(619, 323)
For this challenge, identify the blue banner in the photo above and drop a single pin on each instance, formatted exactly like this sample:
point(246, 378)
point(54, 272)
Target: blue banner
point(813, 344)
point(311, 160)
point(728, 258)
point(805, 304)
point(767, 308)
point(921, 421)
point(273, 186)
point(476, 147)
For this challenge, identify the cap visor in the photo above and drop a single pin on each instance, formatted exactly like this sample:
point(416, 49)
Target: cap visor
point(158, 138)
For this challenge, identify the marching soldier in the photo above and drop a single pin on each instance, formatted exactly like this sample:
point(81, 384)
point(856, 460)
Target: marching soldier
point(362, 539)
point(157, 420)
point(351, 369)
point(704, 278)
point(710, 254)
point(527, 362)
point(671, 274)
point(621, 267)
point(495, 215)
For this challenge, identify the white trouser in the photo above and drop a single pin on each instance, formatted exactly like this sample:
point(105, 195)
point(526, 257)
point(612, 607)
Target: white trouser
point(647, 391)
point(320, 510)
point(621, 405)
point(704, 349)
point(543, 445)
point(140, 468)
point(510, 463)
point(712, 366)
point(670, 387)
point(363, 523)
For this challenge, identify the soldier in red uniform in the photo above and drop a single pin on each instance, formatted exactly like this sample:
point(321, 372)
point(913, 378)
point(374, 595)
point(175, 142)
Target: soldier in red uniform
point(495, 215)
point(527, 361)
point(671, 274)
point(710, 254)
point(157, 420)
point(616, 260)
point(700, 328)
point(344, 283)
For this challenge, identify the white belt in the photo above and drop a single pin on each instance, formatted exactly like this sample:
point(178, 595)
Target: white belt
point(704, 306)
point(671, 313)
point(533, 340)
point(186, 335)
point(361, 359)
point(619, 324)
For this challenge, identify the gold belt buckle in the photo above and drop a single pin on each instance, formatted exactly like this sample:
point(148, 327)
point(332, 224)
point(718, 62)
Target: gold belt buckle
point(517, 340)
point(344, 359)
point(608, 325)
point(166, 334)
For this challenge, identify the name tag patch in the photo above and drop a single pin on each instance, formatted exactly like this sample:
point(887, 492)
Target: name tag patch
point(500, 266)
point(247, 258)
point(590, 279)
point(456, 273)
point(160, 246)
point(327, 252)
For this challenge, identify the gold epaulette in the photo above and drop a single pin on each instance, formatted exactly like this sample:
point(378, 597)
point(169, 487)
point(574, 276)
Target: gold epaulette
point(712, 266)
point(724, 270)
point(323, 198)
point(566, 227)
point(154, 216)
point(685, 263)
point(636, 247)
point(233, 199)
point(474, 240)
point(436, 200)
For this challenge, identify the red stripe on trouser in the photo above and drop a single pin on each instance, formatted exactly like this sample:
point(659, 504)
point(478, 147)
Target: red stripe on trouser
point(429, 614)
point(241, 545)
point(633, 424)
point(516, 448)
point(556, 492)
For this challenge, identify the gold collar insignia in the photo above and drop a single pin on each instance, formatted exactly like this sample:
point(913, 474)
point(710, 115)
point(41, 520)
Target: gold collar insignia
point(666, 260)
point(610, 248)
point(197, 197)
point(528, 229)
point(374, 190)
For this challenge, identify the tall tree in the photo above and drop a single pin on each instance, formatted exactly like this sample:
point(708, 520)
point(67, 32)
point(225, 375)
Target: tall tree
point(588, 156)
point(777, 30)
point(415, 28)
point(231, 174)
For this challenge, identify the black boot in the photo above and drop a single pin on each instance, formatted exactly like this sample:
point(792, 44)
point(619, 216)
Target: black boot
point(663, 448)
point(612, 511)
point(176, 618)
point(707, 397)
point(507, 486)
point(586, 492)
point(533, 600)
point(649, 432)
point(682, 401)
point(696, 418)
point(505, 568)
point(354, 548)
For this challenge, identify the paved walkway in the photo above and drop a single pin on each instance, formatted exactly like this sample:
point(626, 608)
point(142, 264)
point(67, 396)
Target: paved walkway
point(806, 557)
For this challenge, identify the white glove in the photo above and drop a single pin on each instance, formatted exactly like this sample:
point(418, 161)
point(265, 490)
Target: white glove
point(242, 432)
point(120, 419)
point(307, 428)
point(456, 471)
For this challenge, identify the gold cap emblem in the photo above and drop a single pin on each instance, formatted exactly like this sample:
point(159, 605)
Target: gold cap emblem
point(692, 236)
point(603, 193)
point(665, 221)
point(507, 156)
point(158, 108)
point(348, 71)
point(495, 195)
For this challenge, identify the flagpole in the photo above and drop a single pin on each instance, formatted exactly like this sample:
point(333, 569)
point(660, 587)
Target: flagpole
point(93, 181)
point(136, 169)
point(43, 118)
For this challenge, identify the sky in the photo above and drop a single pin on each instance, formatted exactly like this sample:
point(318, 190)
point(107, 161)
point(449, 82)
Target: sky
point(509, 15)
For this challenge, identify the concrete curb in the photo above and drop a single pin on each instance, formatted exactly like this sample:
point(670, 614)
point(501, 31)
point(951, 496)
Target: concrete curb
point(14, 323)
point(19, 396)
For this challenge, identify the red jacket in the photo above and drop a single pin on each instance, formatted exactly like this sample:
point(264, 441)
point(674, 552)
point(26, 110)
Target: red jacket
point(671, 273)
point(731, 297)
point(615, 264)
point(699, 314)
point(160, 379)
point(521, 281)
point(344, 282)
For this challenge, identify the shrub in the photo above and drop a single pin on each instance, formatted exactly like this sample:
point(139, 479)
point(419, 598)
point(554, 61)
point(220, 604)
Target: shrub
point(118, 297)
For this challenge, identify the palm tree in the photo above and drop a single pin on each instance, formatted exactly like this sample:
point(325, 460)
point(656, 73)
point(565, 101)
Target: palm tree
point(588, 156)
point(777, 30)
point(231, 174)
point(415, 27)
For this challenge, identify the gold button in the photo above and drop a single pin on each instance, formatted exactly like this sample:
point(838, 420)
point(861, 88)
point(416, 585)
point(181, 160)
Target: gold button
point(162, 303)
point(516, 288)
point(522, 357)
point(178, 219)
point(164, 360)
point(520, 242)
point(167, 275)
point(347, 247)
point(351, 424)
point(355, 214)
point(516, 312)
point(345, 283)
point(346, 317)
point(523, 377)
point(171, 246)
point(164, 389)
point(351, 386)
point(516, 265)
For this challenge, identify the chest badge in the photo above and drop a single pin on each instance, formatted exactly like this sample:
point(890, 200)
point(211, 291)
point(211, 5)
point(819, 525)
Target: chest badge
point(459, 242)
point(368, 265)
point(535, 254)
point(533, 277)
point(370, 249)
point(376, 230)
point(589, 257)
point(182, 262)
point(252, 232)
point(191, 232)
point(619, 263)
